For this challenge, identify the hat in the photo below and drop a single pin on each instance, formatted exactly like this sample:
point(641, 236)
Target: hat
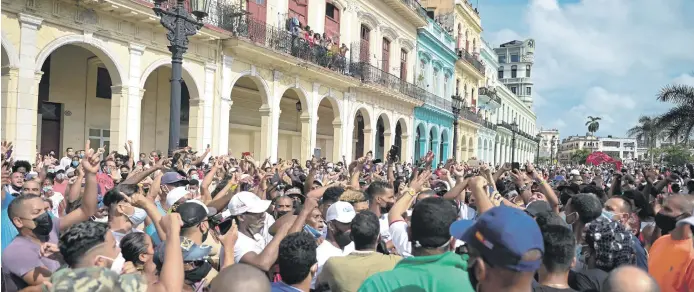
point(574, 187)
point(330, 165)
point(247, 202)
point(95, 279)
point(318, 182)
point(537, 207)
point(191, 252)
point(341, 211)
point(574, 172)
point(194, 212)
point(292, 191)
point(502, 235)
point(172, 177)
point(175, 195)
point(689, 220)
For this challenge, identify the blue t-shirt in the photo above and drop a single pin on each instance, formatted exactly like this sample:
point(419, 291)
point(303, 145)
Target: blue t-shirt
point(641, 257)
point(282, 287)
point(8, 229)
point(151, 230)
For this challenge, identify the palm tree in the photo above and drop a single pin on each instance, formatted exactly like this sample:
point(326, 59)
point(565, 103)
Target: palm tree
point(593, 124)
point(646, 131)
point(678, 122)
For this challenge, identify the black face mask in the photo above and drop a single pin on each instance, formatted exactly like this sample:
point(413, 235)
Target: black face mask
point(342, 238)
point(123, 175)
point(279, 214)
point(44, 225)
point(471, 275)
point(665, 223)
point(386, 209)
point(198, 273)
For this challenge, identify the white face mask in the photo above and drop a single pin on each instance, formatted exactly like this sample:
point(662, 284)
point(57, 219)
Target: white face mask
point(116, 264)
point(138, 217)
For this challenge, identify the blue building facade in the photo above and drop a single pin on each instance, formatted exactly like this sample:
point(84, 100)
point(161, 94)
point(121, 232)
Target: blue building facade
point(435, 74)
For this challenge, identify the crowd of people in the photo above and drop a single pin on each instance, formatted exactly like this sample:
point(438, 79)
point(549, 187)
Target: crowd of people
point(98, 221)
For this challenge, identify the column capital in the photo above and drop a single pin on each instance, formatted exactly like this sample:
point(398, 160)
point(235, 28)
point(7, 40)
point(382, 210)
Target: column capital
point(227, 60)
point(210, 67)
point(136, 49)
point(128, 90)
point(265, 111)
point(31, 21)
point(196, 102)
point(11, 71)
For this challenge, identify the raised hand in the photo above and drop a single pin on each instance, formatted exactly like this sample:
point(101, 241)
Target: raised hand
point(171, 223)
point(91, 160)
point(6, 147)
point(421, 179)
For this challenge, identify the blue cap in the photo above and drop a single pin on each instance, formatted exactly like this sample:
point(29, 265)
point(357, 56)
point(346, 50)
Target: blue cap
point(172, 177)
point(503, 235)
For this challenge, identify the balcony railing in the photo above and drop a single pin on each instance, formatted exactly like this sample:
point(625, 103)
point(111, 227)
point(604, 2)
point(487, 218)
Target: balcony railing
point(489, 125)
point(416, 7)
point(368, 73)
point(469, 114)
point(491, 93)
point(518, 131)
point(465, 55)
point(437, 101)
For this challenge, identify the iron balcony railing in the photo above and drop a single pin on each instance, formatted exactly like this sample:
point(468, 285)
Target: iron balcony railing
point(368, 73)
point(469, 114)
point(465, 55)
point(437, 101)
point(416, 7)
point(489, 125)
point(491, 93)
point(517, 131)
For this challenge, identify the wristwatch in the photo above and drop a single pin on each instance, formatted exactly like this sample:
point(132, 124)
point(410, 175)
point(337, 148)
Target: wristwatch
point(524, 188)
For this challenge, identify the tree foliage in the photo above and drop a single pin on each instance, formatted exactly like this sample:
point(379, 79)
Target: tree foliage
point(579, 156)
point(677, 155)
point(593, 124)
point(678, 122)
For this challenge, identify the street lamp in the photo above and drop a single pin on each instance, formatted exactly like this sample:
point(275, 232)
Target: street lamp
point(178, 21)
point(514, 128)
point(539, 138)
point(456, 105)
point(551, 151)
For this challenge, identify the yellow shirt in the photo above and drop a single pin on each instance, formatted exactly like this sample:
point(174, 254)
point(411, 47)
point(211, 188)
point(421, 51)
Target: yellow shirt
point(671, 263)
point(347, 273)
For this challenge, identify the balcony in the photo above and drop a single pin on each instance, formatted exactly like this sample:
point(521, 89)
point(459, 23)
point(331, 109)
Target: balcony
point(411, 10)
point(436, 101)
point(488, 95)
point(525, 80)
point(489, 125)
point(370, 74)
point(440, 33)
point(469, 114)
point(471, 61)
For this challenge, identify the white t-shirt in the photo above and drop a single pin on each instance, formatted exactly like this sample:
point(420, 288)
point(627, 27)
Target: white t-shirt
point(65, 162)
point(385, 229)
point(466, 213)
point(245, 244)
point(400, 238)
point(56, 199)
point(325, 251)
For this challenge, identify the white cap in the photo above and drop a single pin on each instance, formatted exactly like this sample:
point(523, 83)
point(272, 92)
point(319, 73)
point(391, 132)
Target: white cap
point(330, 165)
point(341, 211)
point(574, 172)
point(247, 202)
point(689, 220)
point(175, 195)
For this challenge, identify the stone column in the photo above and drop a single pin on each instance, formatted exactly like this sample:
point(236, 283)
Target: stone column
point(306, 141)
point(405, 151)
point(337, 141)
point(134, 97)
point(119, 116)
point(25, 143)
point(206, 107)
point(221, 139)
point(268, 125)
point(10, 78)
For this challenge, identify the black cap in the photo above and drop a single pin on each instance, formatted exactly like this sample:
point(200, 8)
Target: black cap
point(537, 207)
point(194, 212)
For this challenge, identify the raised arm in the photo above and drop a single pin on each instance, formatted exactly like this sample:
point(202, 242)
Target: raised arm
point(90, 165)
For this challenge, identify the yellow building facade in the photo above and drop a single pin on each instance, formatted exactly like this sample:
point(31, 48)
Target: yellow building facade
point(100, 71)
point(470, 73)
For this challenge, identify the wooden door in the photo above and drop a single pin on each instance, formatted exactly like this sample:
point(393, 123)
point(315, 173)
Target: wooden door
point(385, 56)
point(403, 65)
point(51, 114)
point(364, 44)
point(299, 9)
point(257, 30)
point(332, 22)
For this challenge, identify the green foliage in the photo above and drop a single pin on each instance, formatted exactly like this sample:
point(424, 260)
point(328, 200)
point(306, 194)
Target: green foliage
point(677, 155)
point(678, 122)
point(580, 155)
point(593, 124)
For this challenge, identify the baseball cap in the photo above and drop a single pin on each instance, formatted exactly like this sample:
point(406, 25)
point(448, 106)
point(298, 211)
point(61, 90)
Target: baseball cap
point(502, 235)
point(194, 212)
point(175, 195)
point(574, 172)
point(247, 202)
point(95, 279)
point(172, 177)
point(341, 211)
point(537, 207)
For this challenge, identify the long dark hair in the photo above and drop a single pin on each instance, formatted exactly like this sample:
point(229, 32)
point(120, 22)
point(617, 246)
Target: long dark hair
point(132, 246)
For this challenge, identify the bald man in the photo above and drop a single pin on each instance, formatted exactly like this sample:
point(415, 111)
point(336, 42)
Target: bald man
point(241, 278)
point(630, 279)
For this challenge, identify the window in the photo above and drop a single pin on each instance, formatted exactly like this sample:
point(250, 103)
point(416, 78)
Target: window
point(501, 73)
point(528, 90)
point(330, 10)
point(502, 59)
point(385, 56)
point(103, 83)
point(99, 138)
point(445, 84)
point(403, 64)
point(364, 44)
point(436, 81)
point(515, 58)
point(457, 86)
point(514, 71)
point(527, 70)
point(513, 89)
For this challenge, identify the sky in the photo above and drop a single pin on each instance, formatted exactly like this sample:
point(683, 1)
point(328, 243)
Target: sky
point(606, 58)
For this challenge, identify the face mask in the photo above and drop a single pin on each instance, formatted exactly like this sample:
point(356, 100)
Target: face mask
point(51, 170)
point(386, 208)
point(116, 264)
point(198, 273)
point(47, 189)
point(44, 225)
point(566, 218)
point(195, 177)
point(342, 238)
point(107, 171)
point(123, 175)
point(75, 163)
point(138, 216)
point(316, 234)
point(279, 214)
point(665, 223)
point(80, 155)
point(608, 214)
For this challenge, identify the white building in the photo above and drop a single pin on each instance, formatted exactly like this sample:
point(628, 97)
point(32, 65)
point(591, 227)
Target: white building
point(549, 143)
point(503, 107)
point(622, 148)
point(515, 65)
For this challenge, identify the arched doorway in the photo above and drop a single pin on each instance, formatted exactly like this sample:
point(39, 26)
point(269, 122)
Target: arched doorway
point(74, 100)
point(383, 136)
point(471, 148)
point(293, 137)
point(420, 140)
point(361, 134)
point(434, 144)
point(329, 129)
point(156, 106)
point(249, 117)
point(443, 151)
point(402, 140)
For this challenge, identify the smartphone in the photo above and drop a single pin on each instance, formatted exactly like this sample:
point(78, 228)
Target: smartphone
point(515, 165)
point(474, 163)
point(316, 153)
point(393, 153)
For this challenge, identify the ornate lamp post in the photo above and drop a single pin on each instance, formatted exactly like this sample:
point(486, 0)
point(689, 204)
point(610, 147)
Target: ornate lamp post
point(178, 21)
point(551, 151)
point(539, 138)
point(514, 129)
point(456, 105)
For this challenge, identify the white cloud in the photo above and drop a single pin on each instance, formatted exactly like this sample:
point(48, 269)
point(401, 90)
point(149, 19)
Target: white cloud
point(604, 58)
point(684, 79)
